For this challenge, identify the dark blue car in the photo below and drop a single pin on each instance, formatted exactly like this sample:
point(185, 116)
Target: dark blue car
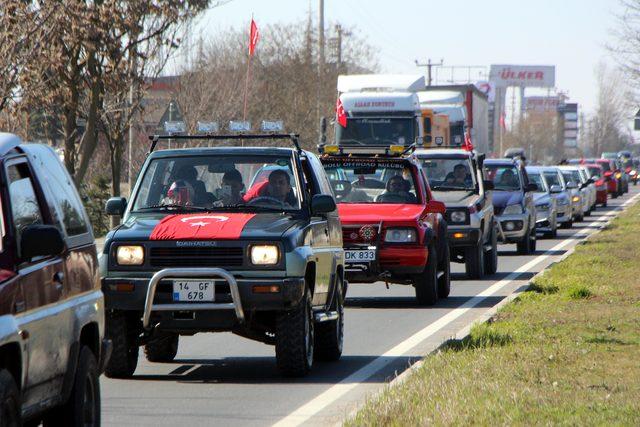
point(513, 203)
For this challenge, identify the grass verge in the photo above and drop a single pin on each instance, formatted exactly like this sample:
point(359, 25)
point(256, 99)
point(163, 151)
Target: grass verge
point(565, 352)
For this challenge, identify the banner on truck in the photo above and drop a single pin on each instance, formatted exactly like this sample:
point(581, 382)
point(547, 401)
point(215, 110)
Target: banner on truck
point(523, 75)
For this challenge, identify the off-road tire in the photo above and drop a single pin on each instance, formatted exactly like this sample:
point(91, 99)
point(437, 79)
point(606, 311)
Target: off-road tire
point(491, 256)
point(83, 406)
point(444, 267)
point(330, 334)
point(426, 283)
point(124, 355)
point(162, 349)
point(295, 339)
point(474, 262)
point(9, 401)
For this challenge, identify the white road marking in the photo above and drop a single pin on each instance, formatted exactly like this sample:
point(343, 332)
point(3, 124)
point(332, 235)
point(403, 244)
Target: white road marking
point(335, 392)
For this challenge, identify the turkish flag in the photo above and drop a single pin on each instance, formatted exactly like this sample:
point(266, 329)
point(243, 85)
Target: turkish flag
point(503, 121)
point(253, 37)
point(468, 145)
point(201, 226)
point(341, 115)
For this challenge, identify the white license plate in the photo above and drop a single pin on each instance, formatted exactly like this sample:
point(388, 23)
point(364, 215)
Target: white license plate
point(193, 290)
point(360, 256)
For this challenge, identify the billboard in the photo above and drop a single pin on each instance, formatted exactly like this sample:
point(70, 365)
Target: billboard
point(523, 75)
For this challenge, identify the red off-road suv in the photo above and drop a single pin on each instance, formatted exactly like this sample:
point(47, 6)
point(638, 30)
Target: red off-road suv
point(393, 230)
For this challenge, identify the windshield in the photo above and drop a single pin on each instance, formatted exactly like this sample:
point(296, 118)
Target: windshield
point(553, 178)
point(449, 174)
point(605, 166)
point(377, 131)
point(505, 177)
point(570, 177)
point(539, 180)
point(218, 182)
point(366, 181)
point(594, 171)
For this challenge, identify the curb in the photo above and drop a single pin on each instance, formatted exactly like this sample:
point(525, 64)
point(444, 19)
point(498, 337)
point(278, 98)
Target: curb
point(488, 316)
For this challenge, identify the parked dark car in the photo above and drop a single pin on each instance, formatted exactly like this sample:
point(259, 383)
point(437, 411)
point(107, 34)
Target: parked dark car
point(513, 202)
point(51, 306)
point(198, 251)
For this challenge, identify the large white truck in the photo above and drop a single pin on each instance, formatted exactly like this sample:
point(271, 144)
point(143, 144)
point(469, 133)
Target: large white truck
point(380, 109)
point(468, 111)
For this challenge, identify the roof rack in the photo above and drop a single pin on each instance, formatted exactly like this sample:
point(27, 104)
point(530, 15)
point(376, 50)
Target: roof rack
point(293, 137)
point(363, 150)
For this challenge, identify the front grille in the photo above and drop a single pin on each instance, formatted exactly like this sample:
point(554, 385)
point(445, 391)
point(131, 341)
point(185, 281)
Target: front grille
point(196, 257)
point(348, 231)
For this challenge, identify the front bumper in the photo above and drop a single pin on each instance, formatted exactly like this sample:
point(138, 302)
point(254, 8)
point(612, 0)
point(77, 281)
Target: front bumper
point(544, 220)
point(235, 295)
point(514, 227)
point(564, 213)
point(393, 263)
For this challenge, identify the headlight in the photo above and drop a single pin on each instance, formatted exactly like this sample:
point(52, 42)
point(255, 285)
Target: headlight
point(576, 199)
point(264, 254)
point(400, 235)
point(513, 210)
point(618, 175)
point(458, 216)
point(130, 255)
point(543, 207)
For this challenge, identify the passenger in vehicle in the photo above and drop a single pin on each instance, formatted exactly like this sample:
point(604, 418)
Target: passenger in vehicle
point(231, 191)
point(180, 193)
point(397, 191)
point(189, 174)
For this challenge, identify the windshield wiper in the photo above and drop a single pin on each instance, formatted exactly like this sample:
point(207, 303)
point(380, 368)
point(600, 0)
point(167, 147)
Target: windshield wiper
point(450, 188)
point(180, 207)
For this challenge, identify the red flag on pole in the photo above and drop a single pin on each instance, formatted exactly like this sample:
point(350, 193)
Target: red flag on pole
point(341, 115)
point(253, 37)
point(503, 121)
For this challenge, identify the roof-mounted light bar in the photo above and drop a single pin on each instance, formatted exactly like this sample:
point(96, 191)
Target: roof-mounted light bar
point(391, 150)
point(293, 137)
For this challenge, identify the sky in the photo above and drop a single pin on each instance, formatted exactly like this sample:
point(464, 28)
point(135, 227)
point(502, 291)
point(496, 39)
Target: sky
point(570, 34)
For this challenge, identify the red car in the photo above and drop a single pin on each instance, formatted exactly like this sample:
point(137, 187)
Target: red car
point(612, 176)
point(393, 230)
point(596, 172)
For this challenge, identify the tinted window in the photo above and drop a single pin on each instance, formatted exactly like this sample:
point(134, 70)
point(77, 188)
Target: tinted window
point(65, 195)
point(24, 203)
point(505, 177)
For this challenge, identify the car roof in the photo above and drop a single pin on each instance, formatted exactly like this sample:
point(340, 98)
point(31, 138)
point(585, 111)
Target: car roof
point(443, 153)
point(221, 151)
point(511, 162)
point(534, 168)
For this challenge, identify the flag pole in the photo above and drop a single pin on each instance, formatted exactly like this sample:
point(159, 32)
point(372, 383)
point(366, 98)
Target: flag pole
point(246, 81)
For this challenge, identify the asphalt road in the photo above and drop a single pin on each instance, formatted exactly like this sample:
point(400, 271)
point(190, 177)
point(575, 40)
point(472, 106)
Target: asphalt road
point(227, 380)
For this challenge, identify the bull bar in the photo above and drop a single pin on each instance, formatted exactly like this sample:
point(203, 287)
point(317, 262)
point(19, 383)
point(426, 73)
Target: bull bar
point(178, 273)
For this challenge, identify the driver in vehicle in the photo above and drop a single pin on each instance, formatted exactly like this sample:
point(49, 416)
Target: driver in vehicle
point(459, 177)
point(279, 188)
point(397, 189)
point(231, 191)
point(509, 179)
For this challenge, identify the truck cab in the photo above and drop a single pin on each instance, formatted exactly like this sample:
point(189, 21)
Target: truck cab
point(380, 110)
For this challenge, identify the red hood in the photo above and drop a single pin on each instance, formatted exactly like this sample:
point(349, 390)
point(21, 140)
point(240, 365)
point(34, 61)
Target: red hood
point(368, 213)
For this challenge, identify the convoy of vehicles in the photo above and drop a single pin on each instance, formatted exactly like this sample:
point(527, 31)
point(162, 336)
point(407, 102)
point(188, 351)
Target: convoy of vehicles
point(52, 346)
point(456, 178)
point(545, 201)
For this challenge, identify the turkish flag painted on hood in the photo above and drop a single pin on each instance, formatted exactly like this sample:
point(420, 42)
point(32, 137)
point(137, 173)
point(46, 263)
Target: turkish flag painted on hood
point(201, 226)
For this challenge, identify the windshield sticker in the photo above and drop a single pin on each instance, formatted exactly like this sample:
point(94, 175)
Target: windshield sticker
point(352, 164)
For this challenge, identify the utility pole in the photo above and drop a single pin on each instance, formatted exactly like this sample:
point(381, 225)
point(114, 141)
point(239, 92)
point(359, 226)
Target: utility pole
point(340, 33)
point(429, 66)
point(320, 56)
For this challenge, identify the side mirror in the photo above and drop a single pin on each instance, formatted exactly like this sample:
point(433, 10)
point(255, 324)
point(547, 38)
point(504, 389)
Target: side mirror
point(322, 204)
point(40, 240)
point(555, 189)
point(116, 206)
point(532, 187)
point(572, 185)
point(488, 184)
point(434, 206)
